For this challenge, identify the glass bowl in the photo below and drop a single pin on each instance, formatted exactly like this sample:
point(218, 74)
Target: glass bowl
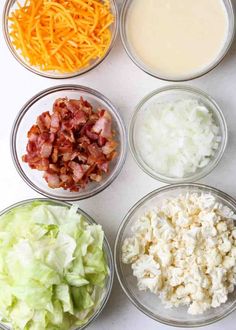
point(172, 93)
point(27, 116)
point(106, 248)
point(11, 4)
point(140, 63)
point(147, 302)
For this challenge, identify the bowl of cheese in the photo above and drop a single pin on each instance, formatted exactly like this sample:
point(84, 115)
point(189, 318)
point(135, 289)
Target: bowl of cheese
point(60, 39)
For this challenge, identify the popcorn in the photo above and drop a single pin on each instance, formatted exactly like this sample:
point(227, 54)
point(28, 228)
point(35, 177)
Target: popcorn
point(185, 252)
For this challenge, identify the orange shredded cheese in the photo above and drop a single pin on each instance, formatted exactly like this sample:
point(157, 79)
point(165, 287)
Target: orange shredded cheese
point(61, 35)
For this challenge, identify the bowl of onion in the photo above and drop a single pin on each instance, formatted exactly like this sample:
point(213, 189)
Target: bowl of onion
point(178, 134)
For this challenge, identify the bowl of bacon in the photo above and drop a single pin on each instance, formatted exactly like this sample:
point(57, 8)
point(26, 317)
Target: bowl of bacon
point(68, 142)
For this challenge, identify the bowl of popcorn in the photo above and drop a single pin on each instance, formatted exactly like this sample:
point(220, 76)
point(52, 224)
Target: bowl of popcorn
point(175, 255)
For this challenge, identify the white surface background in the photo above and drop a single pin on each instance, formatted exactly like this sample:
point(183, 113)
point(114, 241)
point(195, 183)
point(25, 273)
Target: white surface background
point(124, 84)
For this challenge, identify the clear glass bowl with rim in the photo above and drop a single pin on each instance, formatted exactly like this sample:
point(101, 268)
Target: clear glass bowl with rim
point(107, 253)
point(27, 116)
point(147, 302)
point(173, 93)
point(138, 61)
point(10, 5)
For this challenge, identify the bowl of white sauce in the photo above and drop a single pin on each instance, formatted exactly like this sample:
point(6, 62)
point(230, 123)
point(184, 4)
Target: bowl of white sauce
point(178, 134)
point(177, 40)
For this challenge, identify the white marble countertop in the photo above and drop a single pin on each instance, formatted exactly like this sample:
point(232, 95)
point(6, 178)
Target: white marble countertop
point(124, 84)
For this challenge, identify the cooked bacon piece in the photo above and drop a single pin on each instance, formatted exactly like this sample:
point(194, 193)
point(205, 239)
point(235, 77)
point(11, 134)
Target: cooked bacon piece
point(101, 141)
point(72, 106)
point(103, 125)
point(79, 118)
point(91, 135)
point(65, 178)
point(80, 104)
point(33, 133)
point(68, 134)
point(83, 141)
point(67, 156)
point(46, 150)
point(104, 167)
point(65, 146)
point(55, 155)
point(55, 122)
point(44, 121)
point(94, 117)
point(38, 163)
point(109, 147)
point(31, 147)
point(54, 168)
point(95, 151)
point(43, 166)
point(78, 170)
point(45, 137)
point(112, 156)
point(53, 180)
point(95, 177)
point(82, 157)
point(73, 145)
point(59, 107)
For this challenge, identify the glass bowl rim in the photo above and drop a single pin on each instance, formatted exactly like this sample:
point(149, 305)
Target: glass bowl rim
point(141, 65)
point(106, 248)
point(27, 106)
point(117, 249)
point(46, 74)
point(195, 176)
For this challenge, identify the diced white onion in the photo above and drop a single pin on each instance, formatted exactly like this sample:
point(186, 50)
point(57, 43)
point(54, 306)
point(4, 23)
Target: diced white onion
point(177, 138)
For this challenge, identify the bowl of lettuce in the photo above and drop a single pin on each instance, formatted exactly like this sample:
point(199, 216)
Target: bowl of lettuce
point(56, 267)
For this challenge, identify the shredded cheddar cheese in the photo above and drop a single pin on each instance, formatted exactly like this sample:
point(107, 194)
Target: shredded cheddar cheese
point(61, 35)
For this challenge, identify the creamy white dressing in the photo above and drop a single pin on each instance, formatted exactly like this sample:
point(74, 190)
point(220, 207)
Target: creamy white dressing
point(176, 38)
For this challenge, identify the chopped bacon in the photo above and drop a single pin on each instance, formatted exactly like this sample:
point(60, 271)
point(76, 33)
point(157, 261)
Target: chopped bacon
point(46, 150)
point(79, 118)
point(53, 180)
point(78, 170)
point(91, 135)
point(104, 167)
point(33, 133)
point(112, 156)
point(54, 168)
point(95, 151)
point(109, 147)
point(82, 157)
point(73, 145)
point(65, 178)
point(31, 147)
point(55, 155)
point(83, 105)
point(103, 126)
point(67, 156)
point(55, 122)
point(44, 164)
point(44, 121)
point(96, 177)
point(45, 137)
point(94, 117)
point(68, 135)
point(101, 141)
point(83, 141)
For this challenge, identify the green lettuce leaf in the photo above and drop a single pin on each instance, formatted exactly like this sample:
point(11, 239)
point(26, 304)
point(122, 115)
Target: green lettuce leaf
point(52, 267)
